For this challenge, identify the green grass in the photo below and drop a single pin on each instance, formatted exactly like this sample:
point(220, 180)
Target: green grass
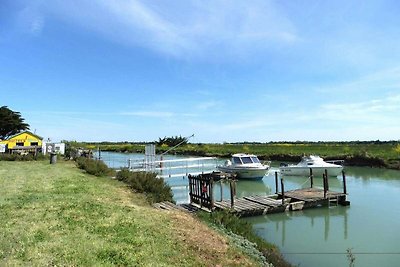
point(59, 215)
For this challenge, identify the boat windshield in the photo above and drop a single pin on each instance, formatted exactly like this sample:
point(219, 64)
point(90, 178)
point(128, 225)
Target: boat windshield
point(236, 160)
point(255, 159)
point(246, 160)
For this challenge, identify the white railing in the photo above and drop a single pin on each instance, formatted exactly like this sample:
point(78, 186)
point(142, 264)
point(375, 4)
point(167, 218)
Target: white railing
point(175, 167)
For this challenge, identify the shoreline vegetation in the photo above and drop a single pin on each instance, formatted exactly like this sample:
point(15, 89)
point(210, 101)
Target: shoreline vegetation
point(381, 154)
point(57, 214)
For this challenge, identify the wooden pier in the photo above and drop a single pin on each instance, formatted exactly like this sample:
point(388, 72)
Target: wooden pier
point(201, 195)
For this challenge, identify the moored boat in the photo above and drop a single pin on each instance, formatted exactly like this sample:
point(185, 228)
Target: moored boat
point(245, 166)
point(316, 163)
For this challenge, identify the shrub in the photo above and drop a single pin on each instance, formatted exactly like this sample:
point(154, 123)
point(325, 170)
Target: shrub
point(156, 189)
point(18, 157)
point(94, 167)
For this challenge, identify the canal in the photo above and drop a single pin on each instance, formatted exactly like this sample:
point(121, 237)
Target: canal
point(369, 227)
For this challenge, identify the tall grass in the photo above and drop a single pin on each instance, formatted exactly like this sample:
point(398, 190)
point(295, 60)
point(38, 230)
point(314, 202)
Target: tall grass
point(156, 189)
point(94, 167)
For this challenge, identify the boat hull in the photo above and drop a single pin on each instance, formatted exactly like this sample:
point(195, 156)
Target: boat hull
point(305, 171)
point(245, 173)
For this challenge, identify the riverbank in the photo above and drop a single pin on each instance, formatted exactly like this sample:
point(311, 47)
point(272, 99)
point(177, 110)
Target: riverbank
point(59, 215)
point(373, 154)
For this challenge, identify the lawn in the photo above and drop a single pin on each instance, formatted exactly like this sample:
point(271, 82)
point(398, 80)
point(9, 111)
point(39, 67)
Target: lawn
point(59, 215)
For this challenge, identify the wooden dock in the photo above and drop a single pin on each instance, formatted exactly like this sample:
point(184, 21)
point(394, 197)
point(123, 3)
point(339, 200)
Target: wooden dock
point(294, 200)
point(201, 195)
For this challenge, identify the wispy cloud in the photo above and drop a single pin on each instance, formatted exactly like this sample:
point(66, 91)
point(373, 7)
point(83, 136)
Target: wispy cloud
point(185, 28)
point(381, 110)
point(208, 105)
point(152, 114)
point(383, 80)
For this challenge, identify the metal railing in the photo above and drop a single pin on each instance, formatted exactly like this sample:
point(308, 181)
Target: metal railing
point(175, 167)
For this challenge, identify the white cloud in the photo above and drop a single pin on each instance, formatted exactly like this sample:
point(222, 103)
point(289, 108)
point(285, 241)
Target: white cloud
point(152, 114)
point(183, 28)
point(208, 105)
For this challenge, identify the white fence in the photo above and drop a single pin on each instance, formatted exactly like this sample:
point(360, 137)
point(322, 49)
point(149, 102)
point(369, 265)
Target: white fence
point(175, 167)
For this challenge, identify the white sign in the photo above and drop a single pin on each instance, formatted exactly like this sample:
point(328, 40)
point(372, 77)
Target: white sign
point(2, 148)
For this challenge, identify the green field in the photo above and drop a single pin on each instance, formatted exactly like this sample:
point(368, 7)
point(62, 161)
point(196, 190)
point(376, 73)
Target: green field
point(374, 153)
point(58, 215)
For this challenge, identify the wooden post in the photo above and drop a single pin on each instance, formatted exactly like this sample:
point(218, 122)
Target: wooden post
point(231, 185)
point(283, 191)
point(190, 189)
point(327, 182)
point(344, 182)
point(200, 188)
point(222, 190)
point(211, 185)
point(324, 181)
point(311, 178)
point(276, 182)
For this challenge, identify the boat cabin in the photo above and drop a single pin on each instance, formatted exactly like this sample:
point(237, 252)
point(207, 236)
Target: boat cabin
point(244, 159)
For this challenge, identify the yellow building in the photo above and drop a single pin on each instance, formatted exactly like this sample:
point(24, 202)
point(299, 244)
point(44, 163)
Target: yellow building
point(24, 142)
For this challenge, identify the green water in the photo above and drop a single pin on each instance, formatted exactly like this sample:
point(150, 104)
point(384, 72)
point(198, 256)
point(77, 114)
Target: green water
point(320, 237)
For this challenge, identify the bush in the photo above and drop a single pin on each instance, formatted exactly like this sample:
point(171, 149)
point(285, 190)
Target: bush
point(156, 189)
point(94, 167)
point(18, 157)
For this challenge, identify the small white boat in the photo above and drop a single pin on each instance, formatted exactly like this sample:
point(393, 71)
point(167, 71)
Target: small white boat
point(245, 166)
point(316, 163)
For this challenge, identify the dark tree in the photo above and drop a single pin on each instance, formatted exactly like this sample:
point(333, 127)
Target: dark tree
point(172, 141)
point(11, 122)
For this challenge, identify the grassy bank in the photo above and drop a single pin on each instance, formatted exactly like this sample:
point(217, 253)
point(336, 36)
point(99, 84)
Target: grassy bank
point(59, 215)
point(374, 153)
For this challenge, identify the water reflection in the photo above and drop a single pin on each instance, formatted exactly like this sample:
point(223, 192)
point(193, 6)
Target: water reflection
point(315, 220)
point(252, 188)
point(372, 173)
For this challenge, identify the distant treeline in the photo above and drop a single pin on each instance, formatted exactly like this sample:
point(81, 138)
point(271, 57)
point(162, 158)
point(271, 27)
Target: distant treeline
point(359, 153)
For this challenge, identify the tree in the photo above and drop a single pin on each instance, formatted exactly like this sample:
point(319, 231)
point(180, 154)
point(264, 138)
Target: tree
point(11, 122)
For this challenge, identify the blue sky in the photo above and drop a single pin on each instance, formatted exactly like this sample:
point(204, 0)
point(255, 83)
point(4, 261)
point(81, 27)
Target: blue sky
point(227, 71)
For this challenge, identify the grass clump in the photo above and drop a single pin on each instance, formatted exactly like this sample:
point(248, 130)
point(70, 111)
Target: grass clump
point(156, 189)
point(250, 241)
point(94, 167)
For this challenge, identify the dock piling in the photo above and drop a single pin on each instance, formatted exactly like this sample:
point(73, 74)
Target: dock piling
point(344, 183)
point(325, 186)
point(276, 182)
point(327, 182)
point(311, 178)
point(222, 189)
point(233, 192)
point(283, 191)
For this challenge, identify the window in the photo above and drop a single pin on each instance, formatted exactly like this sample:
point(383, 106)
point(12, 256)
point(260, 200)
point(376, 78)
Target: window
point(236, 160)
point(19, 144)
point(255, 159)
point(34, 143)
point(246, 160)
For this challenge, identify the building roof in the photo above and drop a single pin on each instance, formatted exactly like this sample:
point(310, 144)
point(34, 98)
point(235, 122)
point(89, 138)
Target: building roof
point(28, 132)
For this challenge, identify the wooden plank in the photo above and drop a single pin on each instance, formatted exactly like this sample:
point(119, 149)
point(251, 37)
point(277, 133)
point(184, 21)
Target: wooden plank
point(248, 204)
point(264, 201)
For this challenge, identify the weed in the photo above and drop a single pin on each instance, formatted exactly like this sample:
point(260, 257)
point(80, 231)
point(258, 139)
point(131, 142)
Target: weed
point(94, 167)
point(156, 189)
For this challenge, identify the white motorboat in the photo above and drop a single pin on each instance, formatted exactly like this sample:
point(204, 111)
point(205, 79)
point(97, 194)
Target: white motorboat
point(245, 166)
point(316, 163)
